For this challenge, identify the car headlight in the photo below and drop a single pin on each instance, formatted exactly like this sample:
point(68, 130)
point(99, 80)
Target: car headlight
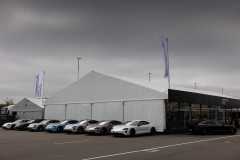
point(97, 128)
point(34, 126)
point(73, 127)
point(125, 129)
point(53, 126)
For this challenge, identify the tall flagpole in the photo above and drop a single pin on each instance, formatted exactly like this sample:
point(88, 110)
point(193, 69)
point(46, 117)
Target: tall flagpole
point(168, 65)
point(43, 86)
point(164, 43)
point(78, 68)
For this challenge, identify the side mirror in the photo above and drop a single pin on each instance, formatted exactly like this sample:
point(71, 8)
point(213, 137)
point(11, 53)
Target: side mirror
point(67, 123)
point(87, 124)
point(110, 124)
point(139, 125)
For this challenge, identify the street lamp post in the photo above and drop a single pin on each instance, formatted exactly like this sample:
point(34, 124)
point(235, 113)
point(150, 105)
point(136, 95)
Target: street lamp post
point(78, 67)
point(195, 85)
point(149, 76)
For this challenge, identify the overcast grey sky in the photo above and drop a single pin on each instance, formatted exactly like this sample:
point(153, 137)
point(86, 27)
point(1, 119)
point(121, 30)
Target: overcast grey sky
point(119, 37)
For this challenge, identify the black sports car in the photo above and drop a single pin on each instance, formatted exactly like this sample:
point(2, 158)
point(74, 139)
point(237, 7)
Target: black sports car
point(23, 126)
point(210, 126)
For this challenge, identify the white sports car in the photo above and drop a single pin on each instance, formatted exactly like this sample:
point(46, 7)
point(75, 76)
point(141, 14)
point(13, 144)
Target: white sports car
point(132, 128)
point(11, 125)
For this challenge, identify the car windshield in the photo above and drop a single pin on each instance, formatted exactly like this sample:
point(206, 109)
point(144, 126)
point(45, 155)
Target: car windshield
point(17, 121)
point(30, 121)
point(45, 121)
point(218, 123)
point(63, 122)
point(197, 122)
point(131, 123)
point(103, 122)
point(82, 122)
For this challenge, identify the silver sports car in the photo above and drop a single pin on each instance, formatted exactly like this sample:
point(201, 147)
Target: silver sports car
point(79, 127)
point(134, 127)
point(41, 126)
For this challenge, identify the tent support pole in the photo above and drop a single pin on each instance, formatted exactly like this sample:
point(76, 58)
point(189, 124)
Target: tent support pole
point(43, 86)
point(65, 111)
point(91, 110)
point(179, 116)
point(165, 114)
point(123, 112)
point(168, 64)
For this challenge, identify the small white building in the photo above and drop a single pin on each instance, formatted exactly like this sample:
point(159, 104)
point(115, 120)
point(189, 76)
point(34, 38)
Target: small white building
point(28, 108)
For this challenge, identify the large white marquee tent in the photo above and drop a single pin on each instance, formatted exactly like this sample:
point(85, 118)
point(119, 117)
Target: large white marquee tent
point(100, 96)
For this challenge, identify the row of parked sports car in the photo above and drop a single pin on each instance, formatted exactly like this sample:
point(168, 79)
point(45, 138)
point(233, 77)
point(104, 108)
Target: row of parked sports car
point(90, 127)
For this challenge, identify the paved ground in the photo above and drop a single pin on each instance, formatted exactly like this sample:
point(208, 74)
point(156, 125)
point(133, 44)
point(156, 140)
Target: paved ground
point(40, 145)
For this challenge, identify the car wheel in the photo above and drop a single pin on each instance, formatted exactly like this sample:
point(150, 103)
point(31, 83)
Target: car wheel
point(80, 130)
point(12, 127)
point(153, 131)
point(231, 131)
point(69, 132)
point(206, 131)
point(59, 129)
point(41, 128)
point(103, 131)
point(132, 132)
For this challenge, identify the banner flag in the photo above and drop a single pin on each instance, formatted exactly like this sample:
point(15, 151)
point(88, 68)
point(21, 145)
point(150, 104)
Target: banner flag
point(165, 56)
point(38, 87)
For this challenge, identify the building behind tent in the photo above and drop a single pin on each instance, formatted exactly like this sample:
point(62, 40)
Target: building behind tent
point(28, 108)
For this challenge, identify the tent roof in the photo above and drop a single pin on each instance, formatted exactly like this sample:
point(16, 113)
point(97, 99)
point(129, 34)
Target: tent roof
point(164, 88)
point(100, 87)
point(34, 105)
point(37, 101)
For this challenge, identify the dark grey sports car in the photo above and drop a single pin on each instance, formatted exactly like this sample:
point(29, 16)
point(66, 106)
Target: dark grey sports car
point(211, 126)
point(24, 126)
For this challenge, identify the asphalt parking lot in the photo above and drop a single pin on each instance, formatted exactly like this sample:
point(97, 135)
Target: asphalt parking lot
point(40, 145)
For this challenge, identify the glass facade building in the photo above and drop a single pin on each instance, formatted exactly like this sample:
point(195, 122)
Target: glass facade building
point(182, 109)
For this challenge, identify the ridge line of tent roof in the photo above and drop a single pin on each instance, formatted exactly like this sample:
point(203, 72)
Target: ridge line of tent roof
point(165, 92)
point(134, 80)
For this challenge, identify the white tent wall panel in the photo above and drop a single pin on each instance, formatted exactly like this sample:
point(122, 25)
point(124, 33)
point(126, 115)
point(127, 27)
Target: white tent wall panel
point(133, 110)
point(99, 111)
point(152, 111)
point(107, 111)
point(78, 111)
point(55, 112)
point(115, 111)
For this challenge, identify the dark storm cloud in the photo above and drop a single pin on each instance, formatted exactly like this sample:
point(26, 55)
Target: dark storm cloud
point(118, 37)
